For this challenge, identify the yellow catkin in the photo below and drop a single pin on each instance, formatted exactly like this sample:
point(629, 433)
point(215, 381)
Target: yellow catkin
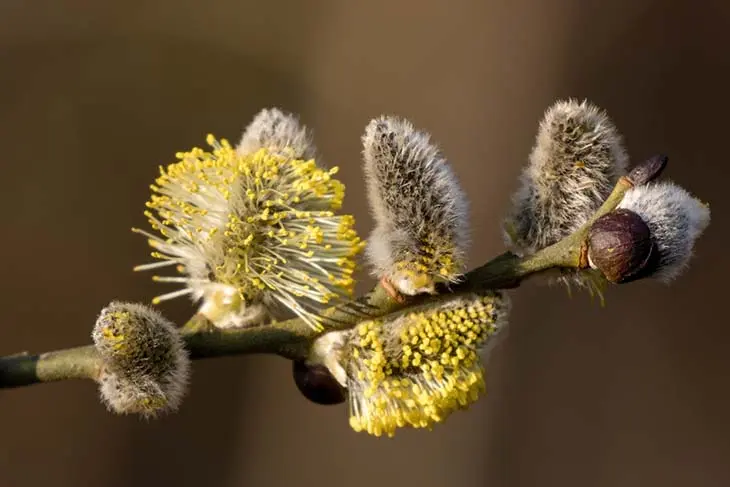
point(262, 223)
point(418, 369)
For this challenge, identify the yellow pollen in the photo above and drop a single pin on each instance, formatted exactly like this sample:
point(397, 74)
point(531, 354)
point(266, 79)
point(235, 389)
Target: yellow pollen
point(263, 223)
point(417, 369)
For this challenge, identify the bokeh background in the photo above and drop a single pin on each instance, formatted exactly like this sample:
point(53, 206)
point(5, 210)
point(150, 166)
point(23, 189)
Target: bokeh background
point(95, 95)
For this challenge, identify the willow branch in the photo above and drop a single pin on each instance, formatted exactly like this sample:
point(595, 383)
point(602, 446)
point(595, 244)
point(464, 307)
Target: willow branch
point(291, 338)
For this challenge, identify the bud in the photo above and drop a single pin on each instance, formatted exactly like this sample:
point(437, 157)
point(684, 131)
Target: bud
point(415, 368)
point(278, 132)
point(145, 365)
point(619, 245)
point(577, 159)
point(321, 378)
point(317, 384)
point(675, 220)
point(420, 211)
point(648, 170)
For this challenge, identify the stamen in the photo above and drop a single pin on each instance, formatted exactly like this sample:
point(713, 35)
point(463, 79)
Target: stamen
point(172, 295)
point(153, 265)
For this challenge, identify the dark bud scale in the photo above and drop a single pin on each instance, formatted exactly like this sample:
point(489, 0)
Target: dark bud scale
point(620, 246)
point(317, 384)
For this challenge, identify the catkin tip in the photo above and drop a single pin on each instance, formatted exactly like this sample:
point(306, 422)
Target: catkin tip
point(278, 131)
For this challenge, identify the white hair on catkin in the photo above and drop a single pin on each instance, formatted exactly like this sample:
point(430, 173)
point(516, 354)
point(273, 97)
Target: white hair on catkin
point(675, 219)
point(145, 365)
point(416, 200)
point(577, 159)
point(276, 130)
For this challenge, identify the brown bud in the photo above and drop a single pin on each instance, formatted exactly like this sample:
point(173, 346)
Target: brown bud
point(317, 384)
point(648, 170)
point(620, 246)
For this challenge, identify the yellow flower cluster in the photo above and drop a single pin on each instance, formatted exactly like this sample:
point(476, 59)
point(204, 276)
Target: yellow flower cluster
point(415, 370)
point(262, 224)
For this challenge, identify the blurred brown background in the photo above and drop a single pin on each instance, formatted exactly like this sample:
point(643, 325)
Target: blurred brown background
point(95, 95)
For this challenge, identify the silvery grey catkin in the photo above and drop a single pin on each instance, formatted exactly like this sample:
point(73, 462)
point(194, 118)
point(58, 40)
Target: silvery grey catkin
point(675, 219)
point(577, 159)
point(420, 211)
point(277, 130)
point(145, 365)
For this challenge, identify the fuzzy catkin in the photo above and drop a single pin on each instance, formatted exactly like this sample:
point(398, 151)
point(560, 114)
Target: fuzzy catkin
point(577, 159)
point(145, 365)
point(278, 131)
point(419, 208)
point(675, 219)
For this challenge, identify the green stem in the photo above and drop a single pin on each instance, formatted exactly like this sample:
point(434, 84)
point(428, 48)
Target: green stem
point(290, 338)
point(72, 363)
